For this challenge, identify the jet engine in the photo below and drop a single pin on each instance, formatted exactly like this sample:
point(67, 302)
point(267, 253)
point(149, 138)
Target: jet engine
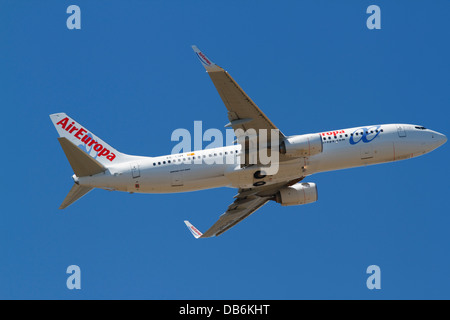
point(300, 193)
point(304, 145)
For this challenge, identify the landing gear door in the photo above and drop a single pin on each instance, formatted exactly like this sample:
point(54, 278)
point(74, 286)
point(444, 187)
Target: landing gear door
point(135, 172)
point(401, 131)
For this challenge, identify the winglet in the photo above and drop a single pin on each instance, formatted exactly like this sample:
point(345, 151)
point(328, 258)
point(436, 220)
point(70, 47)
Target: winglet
point(206, 62)
point(195, 232)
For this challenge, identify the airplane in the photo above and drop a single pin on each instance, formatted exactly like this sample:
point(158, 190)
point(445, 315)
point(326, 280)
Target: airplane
point(96, 164)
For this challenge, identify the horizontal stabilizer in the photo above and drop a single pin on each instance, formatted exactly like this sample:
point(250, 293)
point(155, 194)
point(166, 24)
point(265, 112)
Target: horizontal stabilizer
point(75, 193)
point(82, 164)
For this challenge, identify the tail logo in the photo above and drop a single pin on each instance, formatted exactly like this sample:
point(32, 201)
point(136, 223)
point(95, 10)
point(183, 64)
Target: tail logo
point(87, 139)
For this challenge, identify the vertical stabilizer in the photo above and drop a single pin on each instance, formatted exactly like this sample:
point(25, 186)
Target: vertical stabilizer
point(86, 141)
point(82, 164)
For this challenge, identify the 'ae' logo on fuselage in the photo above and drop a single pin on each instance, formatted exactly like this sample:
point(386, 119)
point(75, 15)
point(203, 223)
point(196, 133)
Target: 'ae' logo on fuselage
point(364, 134)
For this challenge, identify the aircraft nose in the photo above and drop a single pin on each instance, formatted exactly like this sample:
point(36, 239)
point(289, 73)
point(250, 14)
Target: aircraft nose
point(442, 139)
point(439, 139)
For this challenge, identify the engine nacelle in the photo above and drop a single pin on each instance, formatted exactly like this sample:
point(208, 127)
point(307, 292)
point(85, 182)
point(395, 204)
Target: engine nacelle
point(300, 193)
point(304, 145)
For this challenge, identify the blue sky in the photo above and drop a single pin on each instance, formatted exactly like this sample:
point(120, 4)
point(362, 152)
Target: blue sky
point(130, 76)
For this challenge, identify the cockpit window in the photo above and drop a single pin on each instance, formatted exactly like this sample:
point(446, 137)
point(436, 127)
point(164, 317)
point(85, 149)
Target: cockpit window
point(420, 128)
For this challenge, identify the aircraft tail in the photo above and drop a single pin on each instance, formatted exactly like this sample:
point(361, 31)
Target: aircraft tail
point(74, 194)
point(84, 149)
point(87, 154)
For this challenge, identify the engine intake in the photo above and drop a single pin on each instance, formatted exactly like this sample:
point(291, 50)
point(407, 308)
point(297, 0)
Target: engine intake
point(304, 145)
point(300, 193)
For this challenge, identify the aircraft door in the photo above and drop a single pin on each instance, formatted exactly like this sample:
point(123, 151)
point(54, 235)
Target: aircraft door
point(401, 132)
point(366, 152)
point(135, 172)
point(176, 178)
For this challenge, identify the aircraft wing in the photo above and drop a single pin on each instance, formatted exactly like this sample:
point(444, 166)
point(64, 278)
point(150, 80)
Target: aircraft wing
point(243, 113)
point(240, 209)
point(247, 202)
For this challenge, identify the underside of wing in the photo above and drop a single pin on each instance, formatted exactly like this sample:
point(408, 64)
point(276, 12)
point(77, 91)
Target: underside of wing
point(237, 211)
point(247, 202)
point(243, 114)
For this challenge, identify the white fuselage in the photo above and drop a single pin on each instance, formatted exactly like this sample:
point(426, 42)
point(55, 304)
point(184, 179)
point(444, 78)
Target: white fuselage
point(220, 167)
